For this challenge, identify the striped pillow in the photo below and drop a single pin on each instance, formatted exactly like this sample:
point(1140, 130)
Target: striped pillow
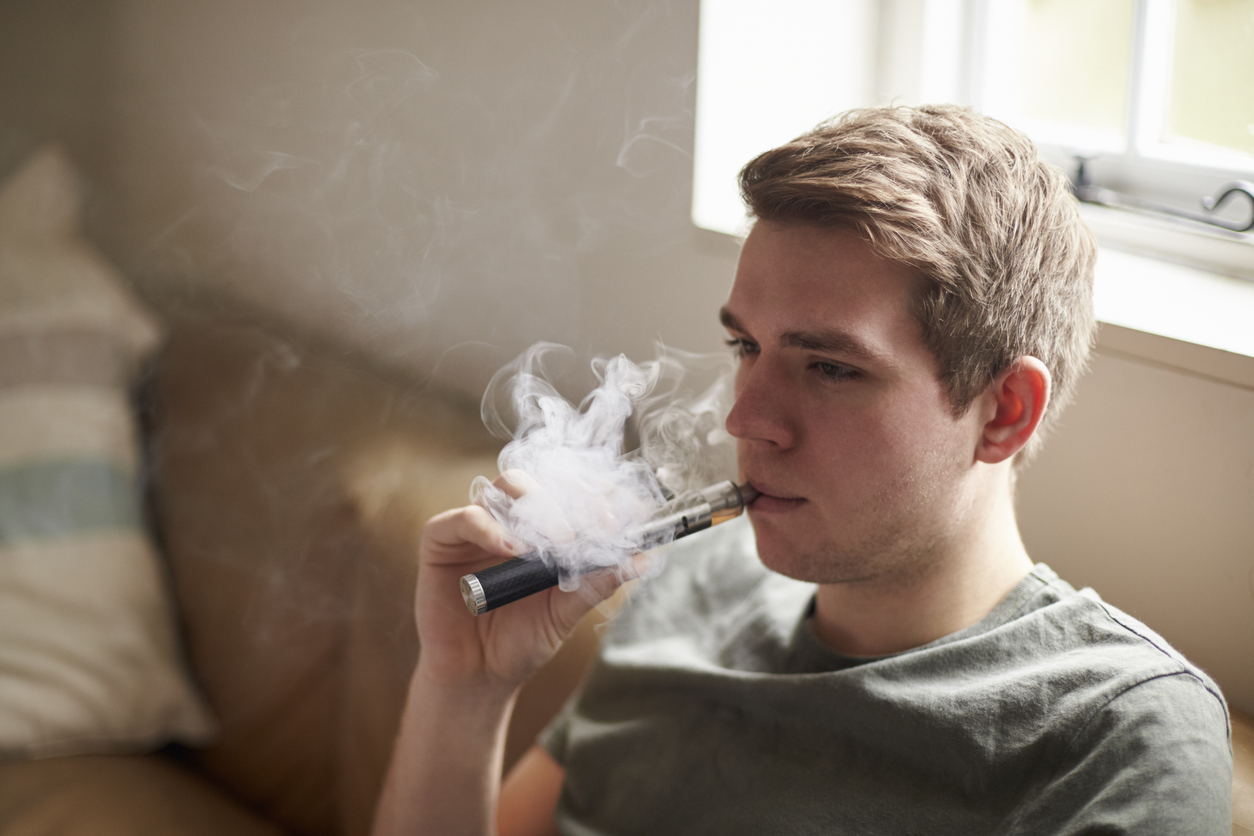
point(89, 657)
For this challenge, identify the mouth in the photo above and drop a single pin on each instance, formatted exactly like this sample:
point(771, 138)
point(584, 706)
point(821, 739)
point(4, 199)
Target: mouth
point(773, 500)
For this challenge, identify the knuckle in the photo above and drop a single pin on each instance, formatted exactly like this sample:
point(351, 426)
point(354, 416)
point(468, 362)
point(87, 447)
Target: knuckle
point(514, 482)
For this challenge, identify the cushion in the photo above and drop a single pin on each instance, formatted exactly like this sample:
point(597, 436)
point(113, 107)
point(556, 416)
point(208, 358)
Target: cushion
point(298, 622)
point(118, 795)
point(89, 656)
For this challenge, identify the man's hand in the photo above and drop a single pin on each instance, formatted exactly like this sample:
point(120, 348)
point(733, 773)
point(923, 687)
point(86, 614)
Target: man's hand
point(501, 648)
point(445, 774)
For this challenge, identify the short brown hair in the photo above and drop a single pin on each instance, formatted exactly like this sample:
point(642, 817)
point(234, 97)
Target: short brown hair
point(968, 202)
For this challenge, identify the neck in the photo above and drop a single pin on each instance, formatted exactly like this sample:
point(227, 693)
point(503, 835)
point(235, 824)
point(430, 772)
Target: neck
point(947, 590)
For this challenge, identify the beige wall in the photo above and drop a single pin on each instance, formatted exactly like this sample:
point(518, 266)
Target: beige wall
point(1147, 495)
point(442, 184)
point(53, 55)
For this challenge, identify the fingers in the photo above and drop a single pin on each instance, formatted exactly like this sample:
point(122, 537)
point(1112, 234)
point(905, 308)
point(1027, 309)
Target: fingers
point(512, 484)
point(595, 589)
point(598, 585)
point(566, 608)
point(447, 536)
point(515, 483)
point(537, 514)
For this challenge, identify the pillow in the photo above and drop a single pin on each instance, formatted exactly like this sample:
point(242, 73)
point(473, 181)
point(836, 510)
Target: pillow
point(89, 655)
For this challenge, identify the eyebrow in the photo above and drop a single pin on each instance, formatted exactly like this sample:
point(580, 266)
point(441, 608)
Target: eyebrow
point(827, 341)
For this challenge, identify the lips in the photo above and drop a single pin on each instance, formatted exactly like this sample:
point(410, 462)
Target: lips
point(773, 500)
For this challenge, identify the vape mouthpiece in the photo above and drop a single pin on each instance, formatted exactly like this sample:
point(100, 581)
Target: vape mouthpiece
point(528, 574)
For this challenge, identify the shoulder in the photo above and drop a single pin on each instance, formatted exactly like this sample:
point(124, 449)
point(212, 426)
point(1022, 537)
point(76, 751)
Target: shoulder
point(1147, 745)
point(1154, 759)
point(1162, 705)
point(1078, 629)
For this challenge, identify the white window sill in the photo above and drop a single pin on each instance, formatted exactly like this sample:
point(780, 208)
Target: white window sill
point(1184, 318)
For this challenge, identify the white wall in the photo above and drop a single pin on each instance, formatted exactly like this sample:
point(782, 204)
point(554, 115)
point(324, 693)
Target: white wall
point(441, 183)
point(447, 182)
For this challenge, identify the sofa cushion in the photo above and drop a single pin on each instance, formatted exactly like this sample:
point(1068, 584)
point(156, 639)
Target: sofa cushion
point(89, 658)
point(299, 627)
point(117, 795)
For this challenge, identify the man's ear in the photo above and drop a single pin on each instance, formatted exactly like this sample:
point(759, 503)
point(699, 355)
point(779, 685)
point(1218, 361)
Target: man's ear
point(1016, 400)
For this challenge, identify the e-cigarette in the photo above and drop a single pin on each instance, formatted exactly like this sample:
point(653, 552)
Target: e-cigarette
point(528, 574)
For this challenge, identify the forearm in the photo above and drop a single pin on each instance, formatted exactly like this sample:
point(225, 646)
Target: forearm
point(445, 774)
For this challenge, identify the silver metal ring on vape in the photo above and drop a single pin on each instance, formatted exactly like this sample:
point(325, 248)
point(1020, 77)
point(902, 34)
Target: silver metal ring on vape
point(472, 594)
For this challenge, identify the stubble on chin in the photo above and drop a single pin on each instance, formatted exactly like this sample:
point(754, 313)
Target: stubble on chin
point(897, 535)
point(890, 557)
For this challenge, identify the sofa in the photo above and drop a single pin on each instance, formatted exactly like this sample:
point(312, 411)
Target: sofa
point(231, 655)
point(285, 483)
point(288, 488)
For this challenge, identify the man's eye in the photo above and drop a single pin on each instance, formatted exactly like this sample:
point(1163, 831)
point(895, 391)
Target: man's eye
point(835, 371)
point(742, 347)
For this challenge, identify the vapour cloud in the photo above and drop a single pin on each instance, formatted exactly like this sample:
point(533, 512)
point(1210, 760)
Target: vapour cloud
point(586, 493)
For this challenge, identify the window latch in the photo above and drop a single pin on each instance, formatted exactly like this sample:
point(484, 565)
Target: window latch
point(1085, 191)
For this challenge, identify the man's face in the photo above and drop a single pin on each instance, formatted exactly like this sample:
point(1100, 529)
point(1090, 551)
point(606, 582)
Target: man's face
point(840, 418)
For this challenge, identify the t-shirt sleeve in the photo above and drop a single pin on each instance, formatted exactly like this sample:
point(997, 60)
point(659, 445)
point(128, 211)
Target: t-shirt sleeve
point(554, 736)
point(1157, 759)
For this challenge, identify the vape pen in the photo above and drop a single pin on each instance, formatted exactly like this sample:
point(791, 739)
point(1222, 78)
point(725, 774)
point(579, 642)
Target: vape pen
point(528, 574)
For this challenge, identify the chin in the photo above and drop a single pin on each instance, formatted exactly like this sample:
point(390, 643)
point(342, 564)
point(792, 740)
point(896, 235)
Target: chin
point(784, 555)
point(822, 562)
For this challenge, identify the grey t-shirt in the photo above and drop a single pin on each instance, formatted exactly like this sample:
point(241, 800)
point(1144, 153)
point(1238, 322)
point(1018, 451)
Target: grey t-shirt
point(714, 709)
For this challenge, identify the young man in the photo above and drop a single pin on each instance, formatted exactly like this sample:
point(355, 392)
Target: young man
point(877, 653)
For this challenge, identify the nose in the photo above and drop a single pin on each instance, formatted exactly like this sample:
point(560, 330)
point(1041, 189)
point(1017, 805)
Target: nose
point(763, 412)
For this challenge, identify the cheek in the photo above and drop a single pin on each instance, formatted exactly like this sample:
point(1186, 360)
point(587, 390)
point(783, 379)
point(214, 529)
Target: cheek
point(934, 457)
point(899, 439)
point(921, 417)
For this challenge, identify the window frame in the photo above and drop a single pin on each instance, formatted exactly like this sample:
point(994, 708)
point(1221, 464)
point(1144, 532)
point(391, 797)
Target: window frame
point(1140, 166)
point(937, 50)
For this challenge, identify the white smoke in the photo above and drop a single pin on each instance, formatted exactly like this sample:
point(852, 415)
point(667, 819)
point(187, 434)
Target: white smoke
point(586, 494)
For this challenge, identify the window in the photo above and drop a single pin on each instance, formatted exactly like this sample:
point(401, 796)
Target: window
point(1151, 94)
point(766, 73)
point(1154, 95)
